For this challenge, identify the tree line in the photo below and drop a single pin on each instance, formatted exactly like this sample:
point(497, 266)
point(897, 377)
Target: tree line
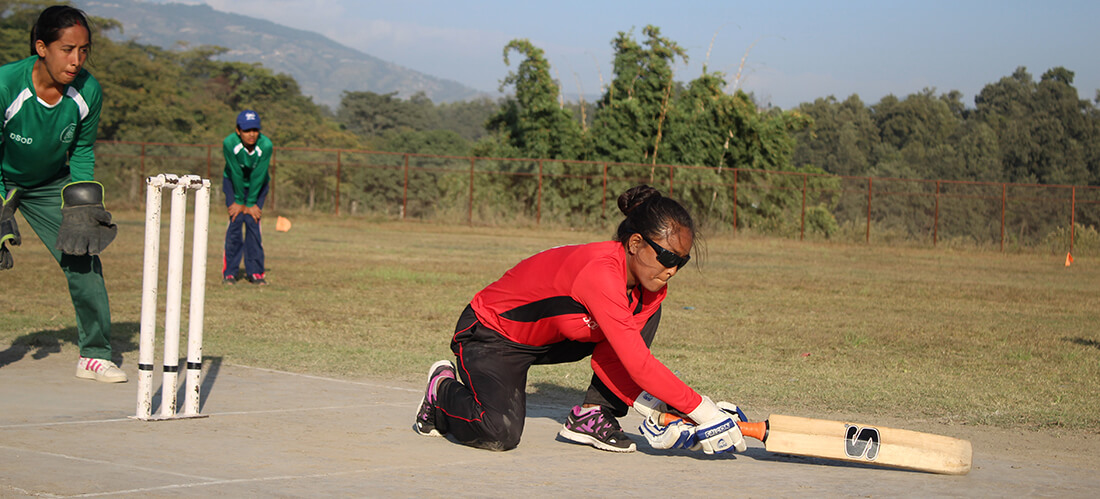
point(1019, 129)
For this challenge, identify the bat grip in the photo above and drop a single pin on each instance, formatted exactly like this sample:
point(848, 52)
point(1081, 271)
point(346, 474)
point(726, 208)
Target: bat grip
point(668, 418)
point(757, 430)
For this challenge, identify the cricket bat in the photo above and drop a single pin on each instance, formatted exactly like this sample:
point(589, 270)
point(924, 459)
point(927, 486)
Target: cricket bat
point(859, 443)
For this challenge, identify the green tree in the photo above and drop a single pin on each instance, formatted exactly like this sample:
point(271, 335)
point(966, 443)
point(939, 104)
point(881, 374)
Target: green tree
point(368, 114)
point(1005, 107)
point(467, 118)
point(1061, 126)
point(914, 134)
point(843, 139)
point(1045, 132)
point(16, 19)
point(631, 115)
point(533, 124)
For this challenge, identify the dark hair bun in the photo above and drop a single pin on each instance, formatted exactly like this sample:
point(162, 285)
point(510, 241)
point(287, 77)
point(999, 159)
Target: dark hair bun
point(635, 197)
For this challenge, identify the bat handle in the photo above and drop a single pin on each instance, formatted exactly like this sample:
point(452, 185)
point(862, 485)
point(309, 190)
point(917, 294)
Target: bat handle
point(668, 418)
point(757, 430)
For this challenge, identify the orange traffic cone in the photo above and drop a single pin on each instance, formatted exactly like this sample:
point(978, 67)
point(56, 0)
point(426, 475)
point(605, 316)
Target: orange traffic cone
point(1069, 259)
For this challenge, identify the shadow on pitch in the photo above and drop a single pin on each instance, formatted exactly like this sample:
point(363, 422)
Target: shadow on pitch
point(211, 368)
point(124, 340)
point(552, 401)
point(41, 344)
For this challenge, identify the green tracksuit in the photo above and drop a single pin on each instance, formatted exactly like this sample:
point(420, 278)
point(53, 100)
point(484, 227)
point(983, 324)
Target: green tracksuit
point(43, 148)
point(247, 170)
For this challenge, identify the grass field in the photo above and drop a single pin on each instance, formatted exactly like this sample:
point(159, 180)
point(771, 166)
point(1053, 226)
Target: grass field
point(1011, 340)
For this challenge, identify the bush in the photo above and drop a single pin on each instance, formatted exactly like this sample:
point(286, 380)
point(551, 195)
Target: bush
point(1086, 242)
point(820, 221)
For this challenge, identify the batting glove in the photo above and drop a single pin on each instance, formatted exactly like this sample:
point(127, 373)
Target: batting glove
point(675, 435)
point(647, 405)
point(717, 431)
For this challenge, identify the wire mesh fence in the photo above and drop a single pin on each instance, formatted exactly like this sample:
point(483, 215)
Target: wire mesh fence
point(491, 191)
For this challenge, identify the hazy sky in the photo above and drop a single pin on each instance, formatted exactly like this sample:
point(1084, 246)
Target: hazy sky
point(796, 50)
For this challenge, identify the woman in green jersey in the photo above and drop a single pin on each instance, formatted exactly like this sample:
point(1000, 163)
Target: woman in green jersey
point(51, 111)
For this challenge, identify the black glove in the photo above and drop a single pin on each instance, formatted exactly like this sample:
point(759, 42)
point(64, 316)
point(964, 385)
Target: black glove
point(86, 227)
point(9, 230)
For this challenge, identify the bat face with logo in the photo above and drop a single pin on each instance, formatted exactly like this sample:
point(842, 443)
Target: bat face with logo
point(860, 443)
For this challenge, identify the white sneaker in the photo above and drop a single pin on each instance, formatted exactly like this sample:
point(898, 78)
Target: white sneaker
point(99, 370)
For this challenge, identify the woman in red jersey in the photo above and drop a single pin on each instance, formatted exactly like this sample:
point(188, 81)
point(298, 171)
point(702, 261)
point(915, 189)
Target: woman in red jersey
point(564, 304)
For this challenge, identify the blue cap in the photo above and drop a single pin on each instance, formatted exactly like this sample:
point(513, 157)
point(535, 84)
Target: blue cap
point(248, 119)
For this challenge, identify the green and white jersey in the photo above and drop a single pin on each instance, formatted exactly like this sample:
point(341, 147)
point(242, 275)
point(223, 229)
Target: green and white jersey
point(41, 141)
point(247, 169)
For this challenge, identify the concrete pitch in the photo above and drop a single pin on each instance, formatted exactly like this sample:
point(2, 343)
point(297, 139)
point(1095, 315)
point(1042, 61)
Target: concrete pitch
point(271, 433)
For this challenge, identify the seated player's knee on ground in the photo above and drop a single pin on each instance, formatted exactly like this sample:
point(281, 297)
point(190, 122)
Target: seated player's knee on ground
point(500, 433)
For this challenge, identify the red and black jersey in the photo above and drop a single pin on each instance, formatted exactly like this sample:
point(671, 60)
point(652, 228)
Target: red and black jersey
point(578, 293)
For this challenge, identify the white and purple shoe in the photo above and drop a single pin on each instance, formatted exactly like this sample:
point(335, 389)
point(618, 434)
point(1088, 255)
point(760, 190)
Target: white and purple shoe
point(425, 417)
point(594, 427)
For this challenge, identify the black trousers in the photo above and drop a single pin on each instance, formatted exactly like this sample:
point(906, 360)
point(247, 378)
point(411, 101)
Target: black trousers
point(489, 407)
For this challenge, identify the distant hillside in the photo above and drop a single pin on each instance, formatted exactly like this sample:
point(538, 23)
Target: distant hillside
point(323, 68)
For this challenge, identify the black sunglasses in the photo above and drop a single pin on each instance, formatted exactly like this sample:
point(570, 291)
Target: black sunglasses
point(666, 257)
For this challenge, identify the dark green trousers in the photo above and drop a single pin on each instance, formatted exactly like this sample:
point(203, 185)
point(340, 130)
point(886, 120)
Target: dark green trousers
point(41, 207)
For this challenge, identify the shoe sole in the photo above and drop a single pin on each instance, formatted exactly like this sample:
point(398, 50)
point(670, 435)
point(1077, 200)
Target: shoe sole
point(431, 372)
point(582, 438)
point(433, 433)
point(85, 374)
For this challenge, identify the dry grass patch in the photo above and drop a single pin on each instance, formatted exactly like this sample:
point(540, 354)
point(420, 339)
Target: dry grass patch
point(775, 325)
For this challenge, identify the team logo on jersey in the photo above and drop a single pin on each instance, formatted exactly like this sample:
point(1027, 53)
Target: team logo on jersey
point(590, 322)
point(68, 133)
point(19, 139)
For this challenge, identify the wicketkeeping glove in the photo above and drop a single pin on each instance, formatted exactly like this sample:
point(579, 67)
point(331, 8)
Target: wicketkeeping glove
point(86, 227)
point(9, 230)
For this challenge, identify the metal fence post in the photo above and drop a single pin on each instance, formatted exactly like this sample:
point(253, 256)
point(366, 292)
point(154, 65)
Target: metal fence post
point(735, 170)
point(870, 184)
point(671, 174)
point(1004, 201)
point(405, 190)
point(936, 217)
point(1072, 218)
point(338, 182)
point(603, 198)
point(802, 234)
point(470, 205)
